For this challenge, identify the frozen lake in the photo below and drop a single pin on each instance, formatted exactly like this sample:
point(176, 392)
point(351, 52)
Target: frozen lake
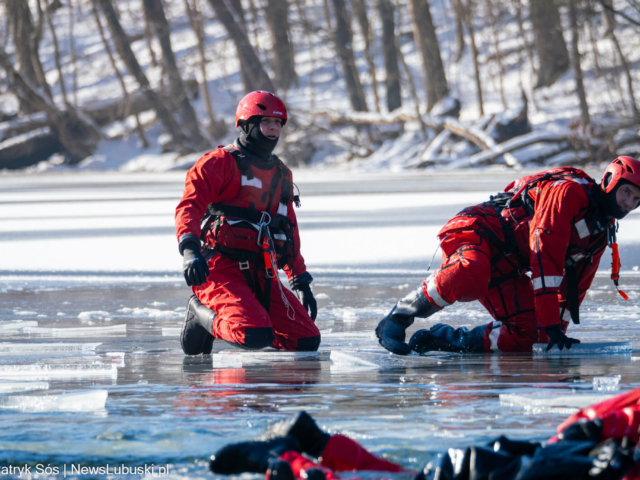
point(92, 298)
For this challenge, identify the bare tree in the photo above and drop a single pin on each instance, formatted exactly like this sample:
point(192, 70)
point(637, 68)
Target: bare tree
point(390, 52)
point(610, 23)
point(458, 12)
point(56, 53)
point(217, 128)
point(277, 16)
point(72, 49)
point(126, 54)
point(155, 13)
point(585, 121)
point(127, 97)
point(255, 74)
point(308, 32)
point(77, 135)
point(360, 9)
point(343, 37)
point(496, 46)
point(424, 33)
point(553, 56)
point(468, 21)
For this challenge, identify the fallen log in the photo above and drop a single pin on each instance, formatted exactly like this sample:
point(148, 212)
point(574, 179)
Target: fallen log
point(477, 137)
point(371, 118)
point(22, 125)
point(28, 148)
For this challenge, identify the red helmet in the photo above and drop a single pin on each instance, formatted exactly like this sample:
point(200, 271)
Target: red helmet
point(625, 168)
point(264, 104)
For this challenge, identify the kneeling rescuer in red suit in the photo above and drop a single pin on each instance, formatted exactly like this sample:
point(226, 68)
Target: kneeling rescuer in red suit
point(236, 227)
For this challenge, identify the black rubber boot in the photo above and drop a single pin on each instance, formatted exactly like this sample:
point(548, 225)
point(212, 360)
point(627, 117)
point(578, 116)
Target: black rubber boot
point(445, 338)
point(197, 334)
point(391, 329)
point(279, 470)
point(251, 456)
point(312, 439)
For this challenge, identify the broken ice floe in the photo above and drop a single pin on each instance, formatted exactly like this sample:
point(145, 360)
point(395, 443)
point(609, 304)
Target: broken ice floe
point(16, 326)
point(47, 348)
point(9, 386)
point(146, 312)
point(595, 348)
point(235, 359)
point(94, 315)
point(355, 360)
point(86, 401)
point(546, 402)
point(171, 331)
point(609, 383)
point(57, 371)
point(73, 332)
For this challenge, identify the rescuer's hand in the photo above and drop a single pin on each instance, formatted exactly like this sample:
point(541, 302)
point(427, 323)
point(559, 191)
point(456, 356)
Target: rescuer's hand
point(301, 285)
point(194, 266)
point(557, 337)
point(582, 430)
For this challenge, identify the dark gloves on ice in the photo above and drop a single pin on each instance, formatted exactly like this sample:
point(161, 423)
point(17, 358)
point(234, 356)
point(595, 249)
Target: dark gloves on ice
point(301, 285)
point(194, 266)
point(557, 337)
point(582, 430)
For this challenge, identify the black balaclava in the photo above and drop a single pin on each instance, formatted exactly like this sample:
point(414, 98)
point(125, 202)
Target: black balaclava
point(612, 205)
point(254, 141)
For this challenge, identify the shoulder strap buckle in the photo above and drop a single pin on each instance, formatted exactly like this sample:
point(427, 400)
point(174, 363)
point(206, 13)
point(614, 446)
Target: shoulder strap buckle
point(244, 265)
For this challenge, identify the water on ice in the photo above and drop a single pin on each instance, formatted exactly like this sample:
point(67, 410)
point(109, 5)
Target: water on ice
point(58, 371)
point(593, 348)
point(7, 348)
point(74, 332)
point(82, 401)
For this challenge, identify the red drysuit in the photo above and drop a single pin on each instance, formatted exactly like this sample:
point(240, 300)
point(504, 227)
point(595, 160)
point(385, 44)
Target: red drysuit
point(552, 227)
point(234, 192)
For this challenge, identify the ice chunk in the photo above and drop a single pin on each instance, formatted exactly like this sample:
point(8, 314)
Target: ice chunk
point(117, 358)
point(46, 348)
point(606, 384)
point(150, 312)
point(74, 332)
point(7, 386)
point(596, 348)
point(94, 315)
point(56, 371)
point(16, 326)
point(348, 360)
point(86, 401)
point(236, 359)
point(545, 401)
point(171, 331)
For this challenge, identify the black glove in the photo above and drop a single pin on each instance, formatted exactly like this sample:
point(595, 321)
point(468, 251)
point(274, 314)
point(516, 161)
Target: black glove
point(557, 337)
point(582, 430)
point(302, 287)
point(194, 266)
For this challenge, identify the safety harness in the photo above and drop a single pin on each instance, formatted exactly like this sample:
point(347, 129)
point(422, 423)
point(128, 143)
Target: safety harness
point(265, 253)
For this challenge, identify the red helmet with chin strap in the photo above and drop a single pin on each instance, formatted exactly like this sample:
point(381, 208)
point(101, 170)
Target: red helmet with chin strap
point(622, 168)
point(264, 104)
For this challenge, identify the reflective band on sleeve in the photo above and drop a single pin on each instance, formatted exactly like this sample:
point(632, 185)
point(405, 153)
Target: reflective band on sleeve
point(280, 236)
point(433, 293)
point(493, 337)
point(549, 282)
point(582, 228)
point(282, 209)
point(254, 182)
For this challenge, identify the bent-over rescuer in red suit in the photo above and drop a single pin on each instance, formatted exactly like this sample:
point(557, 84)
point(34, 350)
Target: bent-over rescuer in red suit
point(554, 225)
point(236, 227)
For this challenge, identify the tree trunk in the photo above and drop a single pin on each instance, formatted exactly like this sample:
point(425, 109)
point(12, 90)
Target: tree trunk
point(390, 53)
point(360, 8)
point(276, 14)
point(155, 13)
point(553, 57)
point(77, 136)
point(217, 128)
point(126, 54)
point(343, 37)
point(575, 66)
point(72, 49)
point(256, 76)
point(425, 36)
point(496, 44)
point(468, 20)
point(458, 11)
point(308, 30)
point(56, 53)
point(127, 98)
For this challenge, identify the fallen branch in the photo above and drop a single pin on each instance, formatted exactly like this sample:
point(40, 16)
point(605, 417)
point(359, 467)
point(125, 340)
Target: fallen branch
point(477, 137)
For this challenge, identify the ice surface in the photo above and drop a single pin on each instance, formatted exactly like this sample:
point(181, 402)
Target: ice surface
point(46, 348)
point(17, 386)
point(16, 326)
point(596, 348)
point(117, 358)
point(354, 360)
point(74, 332)
point(94, 315)
point(548, 400)
point(41, 371)
point(145, 312)
point(234, 358)
point(85, 401)
point(171, 331)
point(609, 383)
